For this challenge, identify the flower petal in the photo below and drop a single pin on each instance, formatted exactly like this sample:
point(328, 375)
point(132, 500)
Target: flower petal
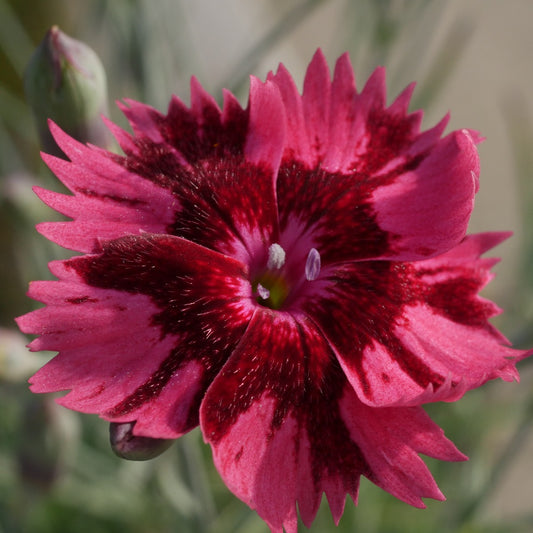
point(219, 166)
point(419, 332)
point(390, 439)
point(187, 307)
point(316, 103)
point(346, 178)
point(273, 426)
point(439, 194)
point(297, 145)
point(266, 136)
point(108, 201)
point(201, 173)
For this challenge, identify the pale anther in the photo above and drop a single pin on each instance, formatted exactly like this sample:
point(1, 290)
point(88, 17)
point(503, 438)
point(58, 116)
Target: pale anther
point(312, 265)
point(276, 257)
point(263, 292)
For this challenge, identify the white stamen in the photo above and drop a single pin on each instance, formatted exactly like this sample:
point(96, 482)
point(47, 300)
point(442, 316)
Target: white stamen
point(276, 257)
point(264, 293)
point(312, 265)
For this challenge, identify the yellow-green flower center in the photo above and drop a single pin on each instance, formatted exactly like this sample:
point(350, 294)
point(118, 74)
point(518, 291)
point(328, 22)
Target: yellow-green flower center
point(271, 290)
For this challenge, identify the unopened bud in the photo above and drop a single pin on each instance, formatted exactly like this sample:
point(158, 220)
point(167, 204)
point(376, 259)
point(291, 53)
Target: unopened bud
point(128, 446)
point(66, 82)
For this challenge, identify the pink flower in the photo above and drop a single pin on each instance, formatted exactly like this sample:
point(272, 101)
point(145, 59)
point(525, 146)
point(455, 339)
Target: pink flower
point(293, 276)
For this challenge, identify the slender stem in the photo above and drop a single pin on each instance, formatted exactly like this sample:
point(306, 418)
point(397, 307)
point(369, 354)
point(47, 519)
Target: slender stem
point(240, 75)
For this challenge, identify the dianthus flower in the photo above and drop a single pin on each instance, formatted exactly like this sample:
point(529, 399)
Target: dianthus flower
point(294, 277)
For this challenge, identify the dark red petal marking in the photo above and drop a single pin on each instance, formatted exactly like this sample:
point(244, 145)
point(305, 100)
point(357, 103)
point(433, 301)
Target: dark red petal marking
point(365, 311)
point(334, 211)
point(285, 426)
point(225, 201)
point(376, 161)
point(289, 362)
point(363, 303)
point(199, 293)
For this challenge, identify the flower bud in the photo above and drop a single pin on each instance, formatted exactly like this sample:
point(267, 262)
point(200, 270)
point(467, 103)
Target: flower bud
point(66, 82)
point(128, 446)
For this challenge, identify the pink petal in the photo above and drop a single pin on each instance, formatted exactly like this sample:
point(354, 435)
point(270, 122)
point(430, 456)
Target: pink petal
point(419, 331)
point(400, 106)
point(316, 104)
point(297, 145)
point(108, 203)
point(440, 195)
point(151, 189)
point(124, 139)
point(357, 164)
point(344, 118)
point(390, 440)
point(144, 119)
point(267, 413)
point(266, 134)
point(221, 167)
point(127, 324)
point(257, 414)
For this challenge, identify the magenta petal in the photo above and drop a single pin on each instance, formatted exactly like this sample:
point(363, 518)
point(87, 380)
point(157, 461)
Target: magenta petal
point(203, 105)
point(143, 119)
point(266, 135)
point(108, 201)
point(391, 439)
point(400, 106)
point(345, 122)
point(316, 103)
point(86, 333)
point(125, 323)
point(423, 334)
point(273, 426)
point(440, 195)
point(219, 166)
point(361, 154)
point(266, 422)
point(297, 144)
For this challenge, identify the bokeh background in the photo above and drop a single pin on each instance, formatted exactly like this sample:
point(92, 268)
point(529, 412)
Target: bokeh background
point(470, 57)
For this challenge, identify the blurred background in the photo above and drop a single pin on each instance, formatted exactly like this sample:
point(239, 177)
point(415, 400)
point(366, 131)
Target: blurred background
point(473, 58)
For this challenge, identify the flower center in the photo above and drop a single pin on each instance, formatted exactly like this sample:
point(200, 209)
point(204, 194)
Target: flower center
point(271, 288)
